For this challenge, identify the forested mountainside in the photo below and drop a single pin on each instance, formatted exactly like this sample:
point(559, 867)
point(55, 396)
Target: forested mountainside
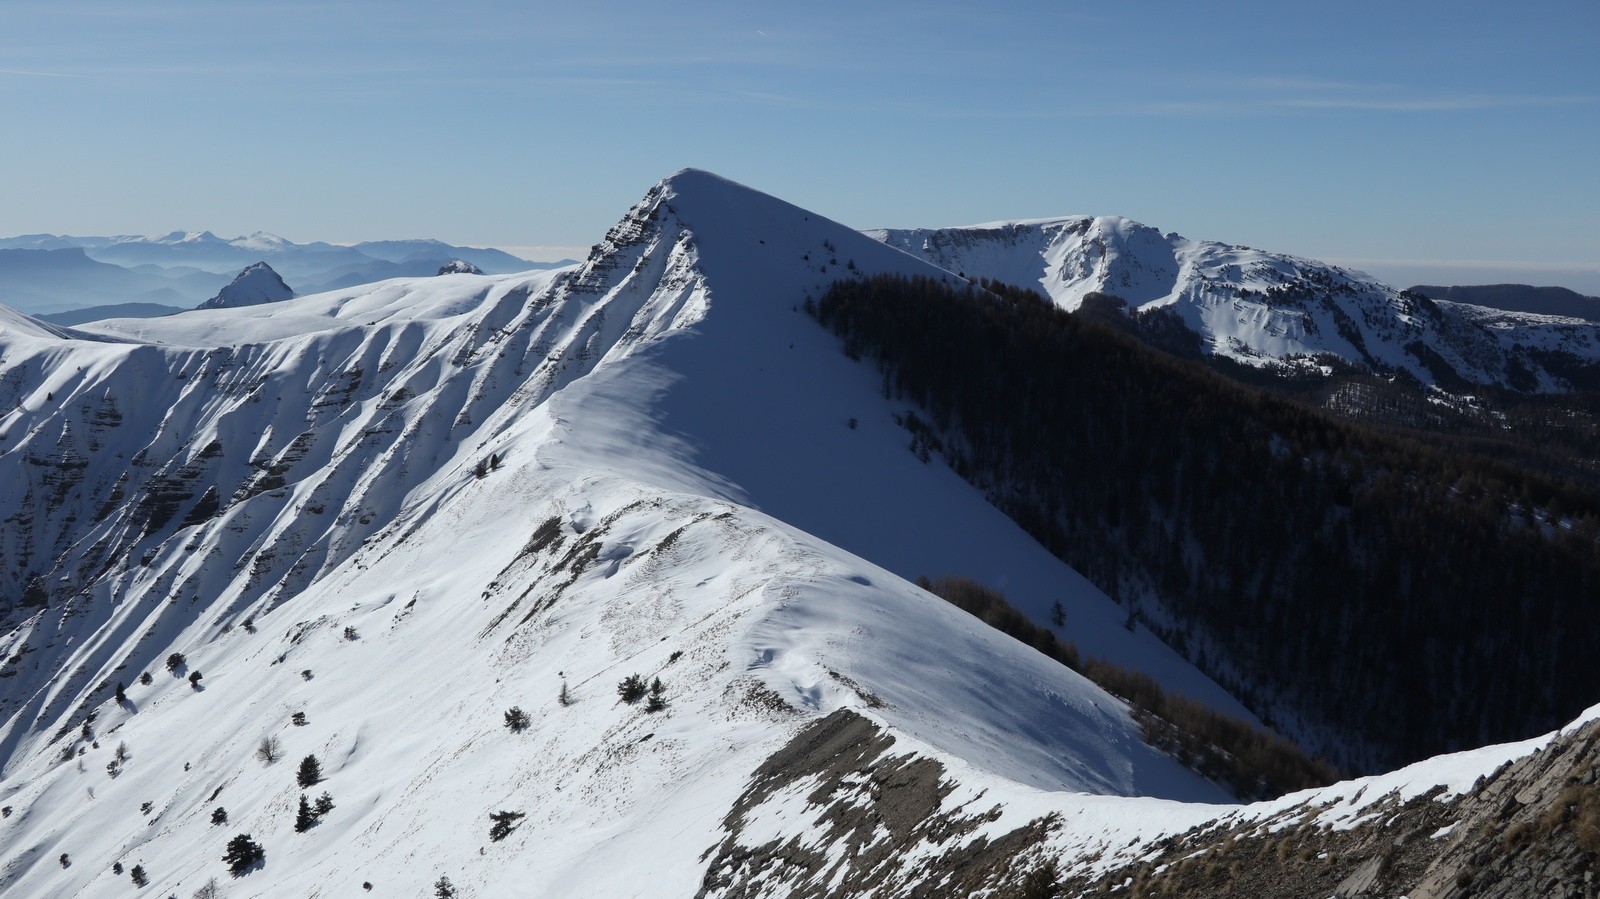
point(1379, 598)
point(1554, 434)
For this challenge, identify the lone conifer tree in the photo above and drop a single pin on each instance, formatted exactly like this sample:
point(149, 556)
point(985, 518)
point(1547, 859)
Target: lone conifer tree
point(658, 697)
point(504, 823)
point(310, 772)
point(304, 818)
point(243, 854)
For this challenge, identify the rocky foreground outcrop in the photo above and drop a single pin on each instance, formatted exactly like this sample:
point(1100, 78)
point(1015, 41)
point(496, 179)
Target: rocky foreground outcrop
point(885, 825)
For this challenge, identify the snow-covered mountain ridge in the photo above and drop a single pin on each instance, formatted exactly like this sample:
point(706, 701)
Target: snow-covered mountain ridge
point(398, 511)
point(1265, 309)
point(287, 495)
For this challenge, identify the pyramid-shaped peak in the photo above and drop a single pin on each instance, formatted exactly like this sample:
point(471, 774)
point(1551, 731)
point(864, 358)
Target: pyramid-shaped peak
point(713, 206)
point(256, 285)
point(689, 177)
point(712, 192)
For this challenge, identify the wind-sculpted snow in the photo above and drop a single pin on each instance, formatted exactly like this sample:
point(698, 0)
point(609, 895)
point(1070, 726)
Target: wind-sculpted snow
point(1260, 308)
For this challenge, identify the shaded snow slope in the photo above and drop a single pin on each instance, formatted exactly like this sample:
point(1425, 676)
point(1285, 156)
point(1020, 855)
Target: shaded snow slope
point(402, 509)
point(767, 398)
point(1261, 308)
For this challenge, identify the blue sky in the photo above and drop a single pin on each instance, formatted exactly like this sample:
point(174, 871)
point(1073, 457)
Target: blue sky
point(1451, 142)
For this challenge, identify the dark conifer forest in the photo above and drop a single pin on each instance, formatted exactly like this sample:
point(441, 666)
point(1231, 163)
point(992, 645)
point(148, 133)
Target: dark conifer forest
point(1385, 596)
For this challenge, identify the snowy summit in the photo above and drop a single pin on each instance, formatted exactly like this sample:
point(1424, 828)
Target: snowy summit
point(459, 267)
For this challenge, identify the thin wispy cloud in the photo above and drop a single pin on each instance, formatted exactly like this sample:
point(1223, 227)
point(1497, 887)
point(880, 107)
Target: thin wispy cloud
point(1475, 264)
point(23, 73)
point(1291, 83)
point(1282, 94)
point(1281, 105)
point(1430, 104)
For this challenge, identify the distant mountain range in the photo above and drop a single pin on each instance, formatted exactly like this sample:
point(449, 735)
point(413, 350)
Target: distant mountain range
point(1519, 298)
point(51, 274)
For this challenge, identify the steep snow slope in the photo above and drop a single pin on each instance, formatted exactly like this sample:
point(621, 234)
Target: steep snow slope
point(290, 496)
point(1261, 308)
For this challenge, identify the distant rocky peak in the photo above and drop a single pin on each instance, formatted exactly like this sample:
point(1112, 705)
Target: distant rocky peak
point(459, 267)
point(185, 237)
point(254, 286)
